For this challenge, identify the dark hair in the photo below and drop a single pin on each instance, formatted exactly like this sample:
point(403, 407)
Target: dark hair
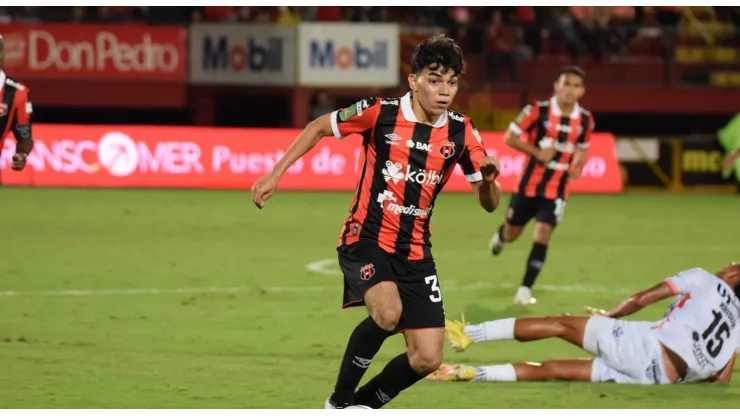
point(438, 51)
point(573, 70)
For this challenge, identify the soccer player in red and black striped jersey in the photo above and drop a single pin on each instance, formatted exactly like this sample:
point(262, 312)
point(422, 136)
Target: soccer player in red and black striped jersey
point(555, 135)
point(15, 114)
point(410, 147)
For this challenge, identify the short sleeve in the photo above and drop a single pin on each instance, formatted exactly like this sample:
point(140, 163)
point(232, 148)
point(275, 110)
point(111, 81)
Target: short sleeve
point(21, 125)
point(526, 119)
point(357, 118)
point(473, 154)
point(585, 140)
point(688, 280)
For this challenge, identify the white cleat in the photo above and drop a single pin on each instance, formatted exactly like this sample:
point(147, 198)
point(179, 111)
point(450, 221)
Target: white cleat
point(524, 296)
point(328, 405)
point(496, 245)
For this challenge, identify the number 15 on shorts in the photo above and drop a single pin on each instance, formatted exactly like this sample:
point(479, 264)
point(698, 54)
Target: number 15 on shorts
point(436, 295)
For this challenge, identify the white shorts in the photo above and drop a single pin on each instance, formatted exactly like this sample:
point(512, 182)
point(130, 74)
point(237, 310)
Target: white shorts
point(627, 352)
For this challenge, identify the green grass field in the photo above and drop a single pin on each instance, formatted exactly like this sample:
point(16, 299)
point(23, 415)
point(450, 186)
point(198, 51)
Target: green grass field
point(198, 300)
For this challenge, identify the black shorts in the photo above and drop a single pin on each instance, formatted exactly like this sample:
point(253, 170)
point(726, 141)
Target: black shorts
point(364, 265)
point(523, 208)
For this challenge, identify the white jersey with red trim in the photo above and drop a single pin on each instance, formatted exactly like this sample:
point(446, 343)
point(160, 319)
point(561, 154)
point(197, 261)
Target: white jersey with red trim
point(701, 326)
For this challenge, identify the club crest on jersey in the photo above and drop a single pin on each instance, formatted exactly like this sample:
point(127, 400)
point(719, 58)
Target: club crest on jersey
point(367, 271)
point(3, 109)
point(447, 149)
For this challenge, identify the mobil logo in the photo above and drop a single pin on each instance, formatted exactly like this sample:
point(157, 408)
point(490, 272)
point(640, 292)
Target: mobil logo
point(222, 53)
point(356, 55)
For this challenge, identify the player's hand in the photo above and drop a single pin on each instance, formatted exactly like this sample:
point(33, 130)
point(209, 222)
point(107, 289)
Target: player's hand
point(596, 312)
point(263, 189)
point(546, 155)
point(574, 174)
point(730, 159)
point(490, 169)
point(19, 161)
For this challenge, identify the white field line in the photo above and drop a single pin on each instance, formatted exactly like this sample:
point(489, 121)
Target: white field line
point(326, 266)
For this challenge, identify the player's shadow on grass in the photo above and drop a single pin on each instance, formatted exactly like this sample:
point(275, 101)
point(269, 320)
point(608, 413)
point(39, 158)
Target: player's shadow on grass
point(475, 313)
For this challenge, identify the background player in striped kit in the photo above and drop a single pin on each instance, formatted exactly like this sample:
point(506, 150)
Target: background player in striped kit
point(410, 147)
point(15, 114)
point(555, 135)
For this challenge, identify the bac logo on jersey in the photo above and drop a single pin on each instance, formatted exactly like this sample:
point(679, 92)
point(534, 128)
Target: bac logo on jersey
point(447, 150)
point(420, 146)
point(367, 271)
point(3, 109)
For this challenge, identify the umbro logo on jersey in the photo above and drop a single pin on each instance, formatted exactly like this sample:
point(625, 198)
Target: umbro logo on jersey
point(393, 139)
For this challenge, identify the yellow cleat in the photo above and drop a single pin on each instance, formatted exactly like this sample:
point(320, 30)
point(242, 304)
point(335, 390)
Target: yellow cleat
point(456, 336)
point(446, 372)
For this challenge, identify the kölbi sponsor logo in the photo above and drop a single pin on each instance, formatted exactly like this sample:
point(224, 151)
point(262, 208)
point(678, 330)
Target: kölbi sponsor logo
point(394, 172)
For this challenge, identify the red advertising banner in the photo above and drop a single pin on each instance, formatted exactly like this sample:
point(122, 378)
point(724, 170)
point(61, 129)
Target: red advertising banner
point(220, 158)
point(129, 52)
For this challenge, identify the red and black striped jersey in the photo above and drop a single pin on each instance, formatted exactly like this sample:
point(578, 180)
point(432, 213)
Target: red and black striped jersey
point(402, 168)
point(15, 109)
point(543, 125)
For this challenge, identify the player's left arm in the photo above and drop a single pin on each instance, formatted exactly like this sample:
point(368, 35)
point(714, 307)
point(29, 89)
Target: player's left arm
point(638, 301)
point(725, 375)
point(21, 127)
point(480, 169)
point(581, 155)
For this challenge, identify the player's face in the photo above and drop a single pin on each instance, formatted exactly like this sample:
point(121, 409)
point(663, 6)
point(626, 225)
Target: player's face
point(435, 89)
point(569, 88)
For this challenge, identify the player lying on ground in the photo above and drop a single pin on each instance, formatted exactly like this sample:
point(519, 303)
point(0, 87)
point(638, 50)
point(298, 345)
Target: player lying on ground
point(696, 341)
point(410, 148)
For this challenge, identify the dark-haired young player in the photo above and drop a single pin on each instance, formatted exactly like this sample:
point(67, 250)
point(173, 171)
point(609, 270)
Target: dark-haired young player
point(696, 341)
point(410, 146)
point(555, 135)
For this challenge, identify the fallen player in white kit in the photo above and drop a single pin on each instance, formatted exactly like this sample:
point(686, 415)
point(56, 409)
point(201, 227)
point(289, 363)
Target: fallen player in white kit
point(696, 341)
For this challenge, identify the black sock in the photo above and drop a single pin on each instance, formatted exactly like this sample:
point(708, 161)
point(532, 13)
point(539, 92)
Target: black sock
point(363, 344)
point(501, 233)
point(534, 264)
point(395, 377)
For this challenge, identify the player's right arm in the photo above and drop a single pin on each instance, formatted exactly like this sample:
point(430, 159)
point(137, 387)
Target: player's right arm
point(637, 302)
point(680, 284)
point(525, 123)
point(21, 127)
point(354, 119)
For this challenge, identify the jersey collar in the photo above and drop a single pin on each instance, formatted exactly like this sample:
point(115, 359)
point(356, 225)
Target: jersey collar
point(574, 115)
point(408, 112)
point(2, 79)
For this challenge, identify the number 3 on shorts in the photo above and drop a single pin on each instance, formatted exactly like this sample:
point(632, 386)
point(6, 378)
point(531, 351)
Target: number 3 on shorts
point(436, 295)
point(559, 209)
